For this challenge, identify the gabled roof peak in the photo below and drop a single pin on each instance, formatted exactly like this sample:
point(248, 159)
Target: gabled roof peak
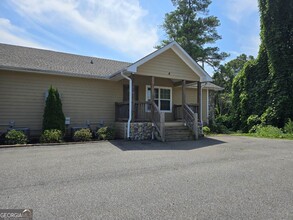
point(204, 76)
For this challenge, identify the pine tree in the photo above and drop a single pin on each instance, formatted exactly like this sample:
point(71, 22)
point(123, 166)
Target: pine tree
point(190, 25)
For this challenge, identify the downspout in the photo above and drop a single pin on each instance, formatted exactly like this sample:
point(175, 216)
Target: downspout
point(130, 104)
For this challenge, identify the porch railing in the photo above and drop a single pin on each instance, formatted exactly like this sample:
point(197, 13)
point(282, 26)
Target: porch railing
point(177, 110)
point(141, 111)
point(159, 121)
point(190, 119)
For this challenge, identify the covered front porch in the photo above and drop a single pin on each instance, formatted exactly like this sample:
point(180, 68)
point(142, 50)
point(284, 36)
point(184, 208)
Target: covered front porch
point(168, 95)
point(164, 87)
point(161, 101)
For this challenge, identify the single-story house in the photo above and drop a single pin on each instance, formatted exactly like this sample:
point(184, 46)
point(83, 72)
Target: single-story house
point(161, 95)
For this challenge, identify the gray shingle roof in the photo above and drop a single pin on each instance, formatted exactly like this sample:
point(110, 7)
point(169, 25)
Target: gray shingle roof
point(31, 59)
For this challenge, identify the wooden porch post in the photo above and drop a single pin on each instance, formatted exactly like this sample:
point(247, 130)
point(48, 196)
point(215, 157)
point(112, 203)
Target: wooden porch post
point(183, 97)
point(199, 97)
point(153, 96)
point(183, 92)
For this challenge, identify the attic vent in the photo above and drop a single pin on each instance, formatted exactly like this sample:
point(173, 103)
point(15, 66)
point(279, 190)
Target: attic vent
point(92, 62)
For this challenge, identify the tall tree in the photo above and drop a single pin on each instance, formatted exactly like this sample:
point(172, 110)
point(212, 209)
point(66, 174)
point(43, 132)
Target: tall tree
point(250, 90)
point(277, 35)
point(265, 86)
point(224, 77)
point(225, 74)
point(190, 25)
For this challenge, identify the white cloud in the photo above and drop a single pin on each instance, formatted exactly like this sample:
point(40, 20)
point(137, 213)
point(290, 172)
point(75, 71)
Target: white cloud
point(11, 34)
point(118, 24)
point(251, 45)
point(238, 9)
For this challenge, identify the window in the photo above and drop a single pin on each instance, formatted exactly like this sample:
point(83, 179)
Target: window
point(163, 98)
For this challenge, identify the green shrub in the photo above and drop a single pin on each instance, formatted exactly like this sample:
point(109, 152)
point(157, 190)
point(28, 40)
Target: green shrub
point(83, 135)
point(288, 128)
point(15, 137)
point(252, 120)
point(219, 128)
point(268, 131)
point(253, 129)
point(225, 120)
point(53, 117)
point(106, 133)
point(206, 130)
point(51, 136)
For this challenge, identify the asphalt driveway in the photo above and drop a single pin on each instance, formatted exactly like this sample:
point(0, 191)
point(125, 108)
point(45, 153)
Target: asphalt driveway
point(216, 178)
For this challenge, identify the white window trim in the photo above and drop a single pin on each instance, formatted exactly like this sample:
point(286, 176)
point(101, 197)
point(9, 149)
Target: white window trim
point(160, 87)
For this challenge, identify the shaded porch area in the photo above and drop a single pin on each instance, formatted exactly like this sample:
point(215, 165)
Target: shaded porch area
point(161, 101)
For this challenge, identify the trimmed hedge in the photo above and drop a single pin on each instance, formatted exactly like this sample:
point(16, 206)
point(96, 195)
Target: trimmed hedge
point(51, 136)
point(15, 137)
point(106, 133)
point(83, 135)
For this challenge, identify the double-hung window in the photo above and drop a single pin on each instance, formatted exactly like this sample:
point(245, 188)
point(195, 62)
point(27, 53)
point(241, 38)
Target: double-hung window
point(163, 98)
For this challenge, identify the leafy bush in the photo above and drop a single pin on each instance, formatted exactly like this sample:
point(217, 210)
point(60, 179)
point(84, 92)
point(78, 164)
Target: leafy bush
point(83, 135)
point(288, 128)
point(253, 129)
point(225, 120)
point(252, 120)
point(268, 117)
point(15, 137)
point(206, 130)
point(51, 136)
point(53, 117)
point(219, 128)
point(106, 133)
point(268, 131)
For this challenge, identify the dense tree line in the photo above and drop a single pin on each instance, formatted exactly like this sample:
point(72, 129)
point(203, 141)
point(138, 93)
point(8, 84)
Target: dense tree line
point(263, 91)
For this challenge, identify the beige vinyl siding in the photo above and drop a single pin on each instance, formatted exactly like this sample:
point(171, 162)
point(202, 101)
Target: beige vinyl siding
point(165, 63)
point(191, 98)
point(22, 98)
point(191, 93)
point(143, 81)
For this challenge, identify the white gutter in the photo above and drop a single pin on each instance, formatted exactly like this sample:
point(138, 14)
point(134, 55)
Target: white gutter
point(130, 104)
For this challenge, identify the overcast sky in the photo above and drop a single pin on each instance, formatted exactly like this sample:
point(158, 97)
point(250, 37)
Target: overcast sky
point(122, 30)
